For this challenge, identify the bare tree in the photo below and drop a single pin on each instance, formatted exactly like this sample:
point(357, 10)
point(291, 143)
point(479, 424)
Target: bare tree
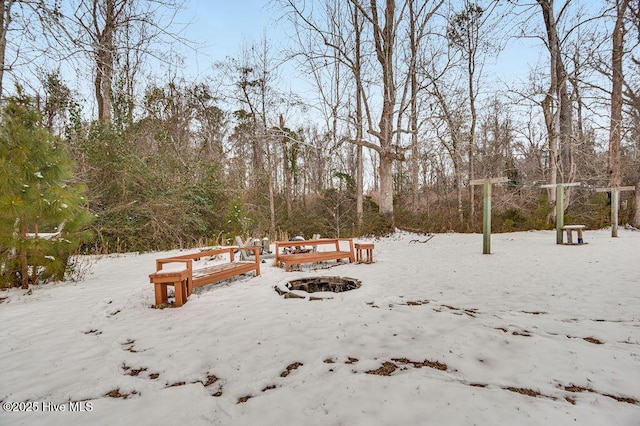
point(467, 33)
point(615, 131)
point(380, 21)
point(107, 31)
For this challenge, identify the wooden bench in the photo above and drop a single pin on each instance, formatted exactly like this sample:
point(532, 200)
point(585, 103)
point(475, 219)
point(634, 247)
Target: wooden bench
point(188, 277)
point(569, 230)
point(302, 255)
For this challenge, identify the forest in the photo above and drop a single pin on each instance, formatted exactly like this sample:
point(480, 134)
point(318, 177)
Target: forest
point(106, 147)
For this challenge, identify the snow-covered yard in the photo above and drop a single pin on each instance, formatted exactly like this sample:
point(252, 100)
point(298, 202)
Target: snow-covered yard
point(438, 334)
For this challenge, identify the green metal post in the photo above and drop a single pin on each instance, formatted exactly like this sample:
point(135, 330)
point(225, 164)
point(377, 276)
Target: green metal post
point(614, 211)
point(486, 219)
point(559, 213)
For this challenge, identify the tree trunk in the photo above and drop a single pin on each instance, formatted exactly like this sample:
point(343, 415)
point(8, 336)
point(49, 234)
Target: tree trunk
point(104, 56)
point(556, 105)
point(286, 168)
point(359, 123)
point(635, 214)
point(385, 171)
point(24, 263)
point(5, 22)
point(384, 40)
point(458, 183)
point(615, 134)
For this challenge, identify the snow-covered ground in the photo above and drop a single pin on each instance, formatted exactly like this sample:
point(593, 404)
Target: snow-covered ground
point(533, 334)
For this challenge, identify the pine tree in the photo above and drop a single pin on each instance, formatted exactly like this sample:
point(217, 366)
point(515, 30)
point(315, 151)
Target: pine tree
point(41, 209)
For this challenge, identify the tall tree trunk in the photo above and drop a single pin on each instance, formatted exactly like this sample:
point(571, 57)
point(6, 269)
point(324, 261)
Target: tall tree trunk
point(635, 214)
point(286, 168)
point(413, 109)
point(104, 56)
point(384, 38)
point(458, 183)
point(385, 171)
point(615, 130)
point(24, 264)
point(556, 105)
point(5, 22)
point(359, 122)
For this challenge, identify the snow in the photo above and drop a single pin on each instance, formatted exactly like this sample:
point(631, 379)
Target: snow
point(513, 320)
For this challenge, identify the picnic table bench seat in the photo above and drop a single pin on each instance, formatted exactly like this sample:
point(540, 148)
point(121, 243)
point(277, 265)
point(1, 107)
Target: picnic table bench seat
point(188, 277)
point(299, 253)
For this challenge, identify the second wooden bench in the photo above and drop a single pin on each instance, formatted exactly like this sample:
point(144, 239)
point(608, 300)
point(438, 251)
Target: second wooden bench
point(299, 251)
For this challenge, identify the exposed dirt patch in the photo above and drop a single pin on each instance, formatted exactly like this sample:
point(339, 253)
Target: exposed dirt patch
point(328, 361)
point(574, 388)
point(290, 368)
point(521, 333)
point(351, 360)
point(115, 393)
point(578, 389)
point(417, 302)
point(164, 305)
point(211, 379)
point(622, 398)
point(592, 340)
point(524, 391)
point(93, 331)
point(244, 399)
point(154, 376)
point(172, 385)
point(128, 346)
point(266, 388)
point(419, 364)
point(2, 299)
point(132, 371)
point(386, 369)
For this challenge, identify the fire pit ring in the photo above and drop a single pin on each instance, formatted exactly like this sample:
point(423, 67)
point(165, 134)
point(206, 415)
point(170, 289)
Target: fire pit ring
point(316, 288)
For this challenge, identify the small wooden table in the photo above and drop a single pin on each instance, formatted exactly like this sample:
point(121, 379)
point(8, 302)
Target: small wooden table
point(178, 279)
point(569, 230)
point(367, 248)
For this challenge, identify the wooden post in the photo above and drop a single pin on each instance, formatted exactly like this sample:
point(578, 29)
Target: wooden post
point(559, 206)
point(486, 210)
point(486, 218)
point(615, 205)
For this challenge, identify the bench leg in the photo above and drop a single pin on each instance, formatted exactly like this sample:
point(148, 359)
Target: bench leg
point(180, 290)
point(189, 287)
point(369, 255)
point(569, 236)
point(161, 293)
point(580, 240)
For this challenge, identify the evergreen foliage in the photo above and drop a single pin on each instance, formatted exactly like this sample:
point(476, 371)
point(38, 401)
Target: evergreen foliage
point(37, 196)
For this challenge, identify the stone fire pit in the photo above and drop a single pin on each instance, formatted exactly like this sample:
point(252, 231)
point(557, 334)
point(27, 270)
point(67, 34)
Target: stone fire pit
point(320, 287)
